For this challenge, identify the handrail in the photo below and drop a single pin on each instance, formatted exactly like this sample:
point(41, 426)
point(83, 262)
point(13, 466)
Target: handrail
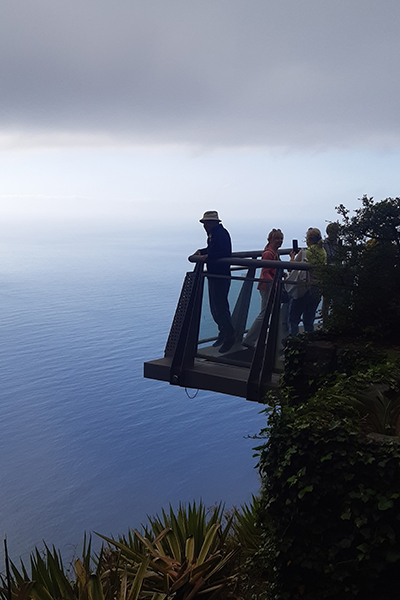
point(257, 263)
point(255, 253)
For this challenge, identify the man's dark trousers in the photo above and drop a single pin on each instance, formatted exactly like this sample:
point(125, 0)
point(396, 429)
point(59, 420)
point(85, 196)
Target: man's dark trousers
point(218, 289)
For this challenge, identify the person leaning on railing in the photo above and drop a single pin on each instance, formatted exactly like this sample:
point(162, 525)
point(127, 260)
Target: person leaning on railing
point(305, 306)
point(218, 246)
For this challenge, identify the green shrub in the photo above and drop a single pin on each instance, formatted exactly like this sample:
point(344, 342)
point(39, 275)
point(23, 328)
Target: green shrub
point(364, 282)
point(330, 506)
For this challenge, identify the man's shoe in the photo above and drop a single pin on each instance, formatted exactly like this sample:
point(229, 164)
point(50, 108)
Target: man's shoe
point(227, 345)
point(218, 342)
point(248, 346)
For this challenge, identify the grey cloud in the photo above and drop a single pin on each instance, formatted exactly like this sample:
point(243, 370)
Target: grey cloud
point(203, 71)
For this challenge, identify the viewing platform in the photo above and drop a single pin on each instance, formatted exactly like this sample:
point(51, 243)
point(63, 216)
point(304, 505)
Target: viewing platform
point(190, 359)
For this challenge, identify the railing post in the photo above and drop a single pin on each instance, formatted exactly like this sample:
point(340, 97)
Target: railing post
point(253, 382)
point(272, 337)
point(241, 310)
point(264, 356)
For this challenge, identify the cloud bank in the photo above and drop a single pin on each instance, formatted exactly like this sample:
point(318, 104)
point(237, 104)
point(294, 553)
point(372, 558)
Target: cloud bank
point(282, 73)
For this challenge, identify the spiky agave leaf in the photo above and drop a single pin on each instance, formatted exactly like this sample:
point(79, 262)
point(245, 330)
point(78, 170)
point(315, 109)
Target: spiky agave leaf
point(23, 592)
point(134, 555)
point(94, 588)
point(138, 581)
point(211, 542)
point(246, 531)
point(49, 579)
point(49, 576)
point(380, 411)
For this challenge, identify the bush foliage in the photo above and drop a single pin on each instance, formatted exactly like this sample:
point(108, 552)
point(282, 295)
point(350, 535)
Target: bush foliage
point(330, 506)
point(330, 503)
point(364, 281)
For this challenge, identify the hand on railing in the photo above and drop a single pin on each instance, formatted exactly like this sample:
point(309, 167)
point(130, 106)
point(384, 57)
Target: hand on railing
point(197, 257)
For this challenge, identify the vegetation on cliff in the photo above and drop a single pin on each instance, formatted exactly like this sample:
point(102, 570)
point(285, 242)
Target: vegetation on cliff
point(330, 463)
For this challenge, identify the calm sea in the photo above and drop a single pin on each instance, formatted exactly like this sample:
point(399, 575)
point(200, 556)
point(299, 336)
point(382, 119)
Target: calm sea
point(87, 444)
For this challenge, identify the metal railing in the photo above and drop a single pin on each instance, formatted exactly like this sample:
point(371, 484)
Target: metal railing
point(182, 347)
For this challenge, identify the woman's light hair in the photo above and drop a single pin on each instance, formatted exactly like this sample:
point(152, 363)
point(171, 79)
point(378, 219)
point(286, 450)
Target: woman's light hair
point(313, 236)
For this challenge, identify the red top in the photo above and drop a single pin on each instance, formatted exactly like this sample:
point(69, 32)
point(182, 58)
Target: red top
point(267, 273)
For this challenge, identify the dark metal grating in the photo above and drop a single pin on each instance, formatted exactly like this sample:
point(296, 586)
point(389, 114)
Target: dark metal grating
point(180, 313)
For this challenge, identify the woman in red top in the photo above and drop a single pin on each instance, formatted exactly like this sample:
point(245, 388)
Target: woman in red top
point(275, 240)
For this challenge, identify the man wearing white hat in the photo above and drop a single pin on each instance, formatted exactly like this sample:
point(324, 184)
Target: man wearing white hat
point(218, 246)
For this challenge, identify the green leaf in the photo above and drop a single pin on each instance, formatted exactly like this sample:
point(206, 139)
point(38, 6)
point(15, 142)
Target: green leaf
point(95, 590)
point(189, 549)
point(385, 504)
point(326, 457)
point(208, 542)
point(138, 581)
point(305, 490)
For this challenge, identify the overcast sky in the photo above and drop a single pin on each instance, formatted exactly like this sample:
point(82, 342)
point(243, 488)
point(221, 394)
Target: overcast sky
point(266, 110)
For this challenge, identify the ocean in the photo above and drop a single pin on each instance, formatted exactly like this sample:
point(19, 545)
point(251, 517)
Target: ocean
point(88, 444)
